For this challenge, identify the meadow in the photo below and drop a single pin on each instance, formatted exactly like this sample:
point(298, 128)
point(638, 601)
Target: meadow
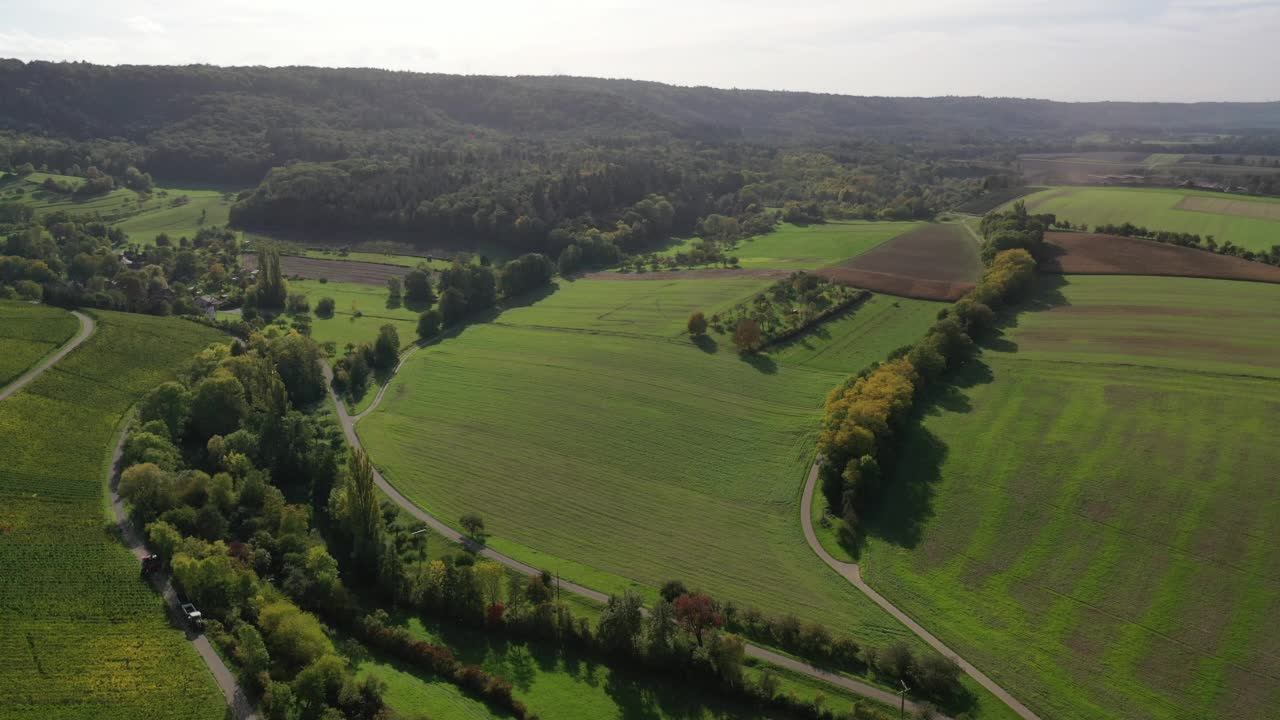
point(28, 333)
point(163, 212)
point(360, 311)
point(1157, 209)
point(599, 441)
point(807, 247)
point(1088, 515)
point(84, 636)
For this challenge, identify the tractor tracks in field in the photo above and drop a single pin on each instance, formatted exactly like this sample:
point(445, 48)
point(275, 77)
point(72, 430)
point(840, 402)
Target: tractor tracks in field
point(348, 424)
point(87, 328)
point(853, 573)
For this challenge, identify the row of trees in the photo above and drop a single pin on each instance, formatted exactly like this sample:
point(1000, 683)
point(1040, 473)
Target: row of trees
point(863, 415)
point(1015, 228)
point(1192, 240)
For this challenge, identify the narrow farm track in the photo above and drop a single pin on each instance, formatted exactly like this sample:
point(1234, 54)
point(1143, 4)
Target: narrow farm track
point(87, 326)
point(348, 423)
point(852, 573)
point(241, 707)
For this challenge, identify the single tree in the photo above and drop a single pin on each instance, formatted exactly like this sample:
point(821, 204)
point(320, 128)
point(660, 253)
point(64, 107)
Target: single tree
point(672, 589)
point(386, 349)
point(747, 335)
point(473, 524)
point(428, 324)
point(697, 613)
point(417, 286)
point(393, 287)
point(453, 306)
point(697, 324)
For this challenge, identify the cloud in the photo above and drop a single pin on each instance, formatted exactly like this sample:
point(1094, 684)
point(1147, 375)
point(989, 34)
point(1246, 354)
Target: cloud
point(145, 25)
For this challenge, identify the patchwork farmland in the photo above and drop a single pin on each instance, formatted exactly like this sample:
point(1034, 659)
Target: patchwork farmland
point(1250, 223)
point(1094, 254)
point(1094, 495)
point(933, 262)
point(76, 614)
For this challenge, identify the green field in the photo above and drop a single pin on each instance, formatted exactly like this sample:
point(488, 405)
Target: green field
point(598, 441)
point(794, 247)
point(373, 304)
point(142, 221)
point(852, 341)
point(83, 636)
point(1090, 517)
point(1156, 209)
point(376, 257)
point(28, 333)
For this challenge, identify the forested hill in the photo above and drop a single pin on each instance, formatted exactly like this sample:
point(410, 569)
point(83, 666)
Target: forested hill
point(535, 163)
point(150, 103)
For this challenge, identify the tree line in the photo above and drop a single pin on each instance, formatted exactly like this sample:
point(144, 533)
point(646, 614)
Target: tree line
point(863, 415)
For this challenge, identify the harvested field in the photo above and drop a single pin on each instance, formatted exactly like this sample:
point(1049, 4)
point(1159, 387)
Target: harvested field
point(702, 274)
point(1094, 254)
point(934, 262)
point(336, 270)
point(1230, 206)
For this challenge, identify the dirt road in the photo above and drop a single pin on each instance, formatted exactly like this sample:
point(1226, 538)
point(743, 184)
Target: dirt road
point(853, 574)
point(87, 326)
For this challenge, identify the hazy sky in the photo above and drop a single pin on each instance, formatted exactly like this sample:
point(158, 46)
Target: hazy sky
point(1180, 50)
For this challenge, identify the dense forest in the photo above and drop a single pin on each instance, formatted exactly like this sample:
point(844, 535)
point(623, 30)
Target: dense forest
point(534, 164)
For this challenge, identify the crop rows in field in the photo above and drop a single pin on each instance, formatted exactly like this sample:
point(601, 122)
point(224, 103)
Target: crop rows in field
point(84, 636)
point(28, 333)
point(1090, 517)
point(796, 247)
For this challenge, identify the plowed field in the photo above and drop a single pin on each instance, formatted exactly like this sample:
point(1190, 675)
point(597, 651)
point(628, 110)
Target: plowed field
point(1094, 254)
point(934, 262)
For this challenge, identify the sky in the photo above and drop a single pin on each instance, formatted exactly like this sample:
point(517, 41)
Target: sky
point(1076, 50)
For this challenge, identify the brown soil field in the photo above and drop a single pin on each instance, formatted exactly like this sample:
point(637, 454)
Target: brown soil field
point(1227, 206)
point(336, 270)
point(1094, 254)
point(701, 274)
point(935, 262)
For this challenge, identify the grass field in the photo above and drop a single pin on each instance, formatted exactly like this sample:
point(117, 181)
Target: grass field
point(142, 221)
point(410, 261)
point(852, 341)
point(1090, 517)
point(83, 636)
point(794, 247)
point(28, 333)
point(597, 440)
point(370, 301)
point(1157, 209)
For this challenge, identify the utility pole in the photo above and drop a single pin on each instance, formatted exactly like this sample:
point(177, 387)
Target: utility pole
point(902, 694)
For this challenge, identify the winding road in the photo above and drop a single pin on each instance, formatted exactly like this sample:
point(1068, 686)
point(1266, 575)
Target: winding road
point(87, 327)
point(241, 707)
point(348, 423)
point(852, 573)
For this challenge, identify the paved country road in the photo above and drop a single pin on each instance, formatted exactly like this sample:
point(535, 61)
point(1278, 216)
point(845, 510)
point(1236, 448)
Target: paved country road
point(348, 423)
point(853, 574)
point(241, 707)
point(87, 326)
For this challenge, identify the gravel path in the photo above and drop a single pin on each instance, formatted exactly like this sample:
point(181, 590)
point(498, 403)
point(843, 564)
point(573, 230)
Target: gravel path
point(241, 707)
point(853, 574)
point(87, 326)
point(348, 423)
